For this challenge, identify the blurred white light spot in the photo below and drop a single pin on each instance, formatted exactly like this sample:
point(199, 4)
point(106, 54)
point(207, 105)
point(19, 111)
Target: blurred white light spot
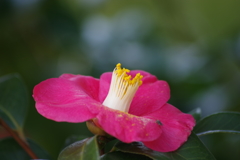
point(183, 61)
point(90, 2)
point(130, 54)
point(96, 31)
point(212, 100)
point(132, 24)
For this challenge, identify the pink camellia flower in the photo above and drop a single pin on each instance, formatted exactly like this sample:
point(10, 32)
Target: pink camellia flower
point(130, 109)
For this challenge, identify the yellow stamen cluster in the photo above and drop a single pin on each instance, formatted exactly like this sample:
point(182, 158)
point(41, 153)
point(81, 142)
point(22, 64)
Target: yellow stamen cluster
point(122, 89)
point(123, 72)
point(123, 81)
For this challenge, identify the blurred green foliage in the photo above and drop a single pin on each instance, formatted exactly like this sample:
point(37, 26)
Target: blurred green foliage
point(194, 45)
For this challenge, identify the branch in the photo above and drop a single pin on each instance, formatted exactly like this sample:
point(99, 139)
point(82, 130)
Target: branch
point(23, 144)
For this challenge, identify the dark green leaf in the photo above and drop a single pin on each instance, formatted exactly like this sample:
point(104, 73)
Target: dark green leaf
point(193, 149)
point(123, 156)
point(13, 101)
point(222, 122)
point(82, 150)
point(74, 138)
point(11, 150)
point(196, 113)
point(139, 148)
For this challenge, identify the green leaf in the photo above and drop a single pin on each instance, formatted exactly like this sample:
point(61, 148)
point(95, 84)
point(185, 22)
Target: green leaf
point(139, 148)
point(196, 113)
point(123, 156)
point(82, 150)
point(13, 101)
point(11, 150)
point(74, 138)
point(222, 122)
point(193, 149)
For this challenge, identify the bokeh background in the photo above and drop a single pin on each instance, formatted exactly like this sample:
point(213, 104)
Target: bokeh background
point(192, 44)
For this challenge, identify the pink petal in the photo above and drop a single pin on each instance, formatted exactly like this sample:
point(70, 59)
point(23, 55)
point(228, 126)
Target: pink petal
point(127, 127)
point(176, 127)
point(88, 84)
point(104, 85)
point(69, 98)
point(151, 95)
point(149, 98)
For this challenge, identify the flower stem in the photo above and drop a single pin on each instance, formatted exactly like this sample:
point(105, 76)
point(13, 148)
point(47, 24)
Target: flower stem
point(21, 142)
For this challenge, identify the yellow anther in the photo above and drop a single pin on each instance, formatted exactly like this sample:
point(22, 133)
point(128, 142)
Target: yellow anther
point(122, 72)
point(118, 66)
point(128, 77)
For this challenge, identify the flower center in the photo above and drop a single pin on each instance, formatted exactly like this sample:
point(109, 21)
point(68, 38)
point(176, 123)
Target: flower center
point(122, 89)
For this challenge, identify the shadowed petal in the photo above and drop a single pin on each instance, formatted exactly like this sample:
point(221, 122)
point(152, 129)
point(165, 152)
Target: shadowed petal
point(176, 127)
point(67, 99)
point(127, 127)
